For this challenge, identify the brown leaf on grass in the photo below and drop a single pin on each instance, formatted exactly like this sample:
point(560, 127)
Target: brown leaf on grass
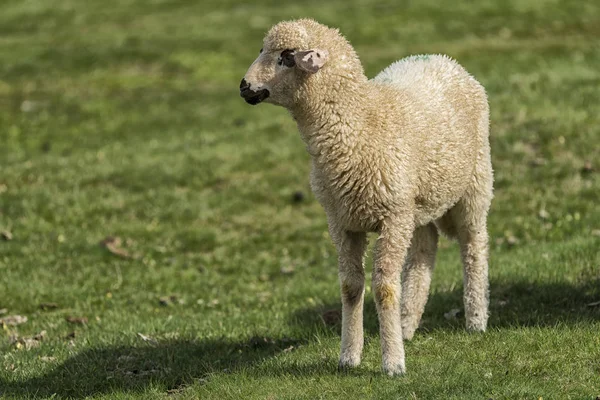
point(168, 300)
point(587, 168)
point(48, 306)
point(287, 270)
point(512, 240)
point(113, 245)
point(13, 320)
point(27, 342)
point(77, 320)
point(48, 359)
point(543, 214)
point(40, 336)
point(164, 301)
point(332, 317)
point(6, 235)
point(13, 338)
point(70, 335)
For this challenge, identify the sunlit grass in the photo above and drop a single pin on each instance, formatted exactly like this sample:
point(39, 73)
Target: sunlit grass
point(123, 119)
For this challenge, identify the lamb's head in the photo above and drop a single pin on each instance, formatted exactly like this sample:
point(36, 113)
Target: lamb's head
point(295, 53)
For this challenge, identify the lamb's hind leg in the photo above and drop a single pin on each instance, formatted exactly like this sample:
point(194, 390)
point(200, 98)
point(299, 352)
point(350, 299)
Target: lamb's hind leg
point(470, 218)
point(473, 239)
point(416, 277)
point(351, 248)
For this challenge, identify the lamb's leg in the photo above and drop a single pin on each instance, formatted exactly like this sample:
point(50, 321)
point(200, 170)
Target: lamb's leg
point(351, 248)
point(470, 229)
point(470, 218)
point(391, 249)
point(473, 241)
point(416, 277)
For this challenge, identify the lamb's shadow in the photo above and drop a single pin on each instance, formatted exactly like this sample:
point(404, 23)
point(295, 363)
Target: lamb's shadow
point(171, 364)
point(512, 304)
point(175, 364)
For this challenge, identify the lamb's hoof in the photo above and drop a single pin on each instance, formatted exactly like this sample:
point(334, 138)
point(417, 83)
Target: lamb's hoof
point(476, 325)
point(408, 331)
point(347, 362)
point(407, 335)
point(476, 318)
point(394, 369)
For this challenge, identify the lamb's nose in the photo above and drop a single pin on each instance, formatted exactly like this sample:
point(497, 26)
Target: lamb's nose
point(244, 85)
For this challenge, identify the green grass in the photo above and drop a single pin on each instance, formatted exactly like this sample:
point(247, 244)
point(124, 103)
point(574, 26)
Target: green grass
point(123, 118)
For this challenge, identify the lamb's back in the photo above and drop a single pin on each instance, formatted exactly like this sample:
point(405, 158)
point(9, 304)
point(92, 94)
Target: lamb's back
point(444, 123)
point(438, 85)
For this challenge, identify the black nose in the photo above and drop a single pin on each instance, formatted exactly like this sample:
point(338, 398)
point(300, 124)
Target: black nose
point(254, 98)
point(250, 95)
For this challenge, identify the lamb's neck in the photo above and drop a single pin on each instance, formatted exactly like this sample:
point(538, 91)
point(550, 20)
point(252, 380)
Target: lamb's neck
point(330, 122)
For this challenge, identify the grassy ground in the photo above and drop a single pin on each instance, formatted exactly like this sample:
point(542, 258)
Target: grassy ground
point(122, 119)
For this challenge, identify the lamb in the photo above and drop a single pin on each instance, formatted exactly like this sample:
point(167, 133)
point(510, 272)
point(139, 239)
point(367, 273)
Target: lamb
point(405, 155)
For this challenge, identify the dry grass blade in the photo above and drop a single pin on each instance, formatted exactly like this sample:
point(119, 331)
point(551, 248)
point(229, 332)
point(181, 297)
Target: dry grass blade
point(148, 339)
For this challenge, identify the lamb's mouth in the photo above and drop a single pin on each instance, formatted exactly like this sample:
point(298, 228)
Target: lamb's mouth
point(253, 97)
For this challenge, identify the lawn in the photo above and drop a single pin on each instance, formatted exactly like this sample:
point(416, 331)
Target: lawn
point(160, 237)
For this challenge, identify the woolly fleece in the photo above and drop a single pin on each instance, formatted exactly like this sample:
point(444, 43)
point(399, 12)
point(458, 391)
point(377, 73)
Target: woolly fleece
point(404, 154)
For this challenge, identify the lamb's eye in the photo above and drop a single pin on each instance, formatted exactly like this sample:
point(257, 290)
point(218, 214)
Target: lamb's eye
point(287, 58)
point(260, 51)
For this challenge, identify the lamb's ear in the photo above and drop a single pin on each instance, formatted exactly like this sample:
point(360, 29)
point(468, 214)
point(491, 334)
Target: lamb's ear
point(311, 60)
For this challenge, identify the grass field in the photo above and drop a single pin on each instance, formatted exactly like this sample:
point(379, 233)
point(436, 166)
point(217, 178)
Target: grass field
point(121, 123)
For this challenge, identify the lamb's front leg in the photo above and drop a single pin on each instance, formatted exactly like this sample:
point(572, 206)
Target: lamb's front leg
point(391, 250)
point(351, 249)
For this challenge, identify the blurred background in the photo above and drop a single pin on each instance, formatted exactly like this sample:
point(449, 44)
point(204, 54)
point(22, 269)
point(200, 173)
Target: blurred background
point(138, 192)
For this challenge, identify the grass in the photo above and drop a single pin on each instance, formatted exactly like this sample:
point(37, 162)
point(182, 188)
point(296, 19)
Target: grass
point(123, 119)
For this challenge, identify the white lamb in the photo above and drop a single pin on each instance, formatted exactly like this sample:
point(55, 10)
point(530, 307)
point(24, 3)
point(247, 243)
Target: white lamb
point(403, 155)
